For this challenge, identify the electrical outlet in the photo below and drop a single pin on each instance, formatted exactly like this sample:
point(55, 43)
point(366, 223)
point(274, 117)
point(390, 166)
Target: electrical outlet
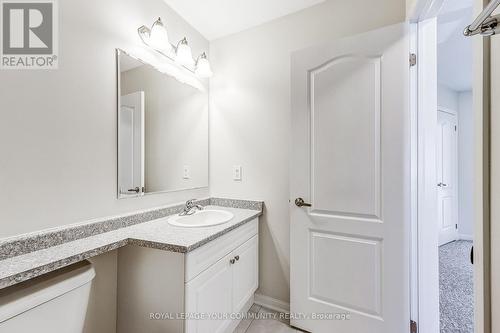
point(236, 172)
point(186, 172)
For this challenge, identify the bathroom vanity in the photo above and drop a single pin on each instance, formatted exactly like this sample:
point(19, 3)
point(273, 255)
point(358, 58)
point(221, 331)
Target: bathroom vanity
point(184, 292)
point(180, 268)
point(166, 273)
point(163, 124)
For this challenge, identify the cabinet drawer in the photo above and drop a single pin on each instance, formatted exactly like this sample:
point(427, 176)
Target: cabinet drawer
point(205, 256)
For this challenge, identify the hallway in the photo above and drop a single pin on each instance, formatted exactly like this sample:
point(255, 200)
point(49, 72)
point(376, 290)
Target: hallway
point(456, 297)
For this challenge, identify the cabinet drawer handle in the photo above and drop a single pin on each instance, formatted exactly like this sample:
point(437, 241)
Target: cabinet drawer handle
point(237, 258)
point(232, 261)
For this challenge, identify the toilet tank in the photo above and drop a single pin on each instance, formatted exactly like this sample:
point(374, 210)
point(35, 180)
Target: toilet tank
point(52, 303)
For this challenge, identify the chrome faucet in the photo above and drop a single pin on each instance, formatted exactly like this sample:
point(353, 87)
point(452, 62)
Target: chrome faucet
point(190, 208)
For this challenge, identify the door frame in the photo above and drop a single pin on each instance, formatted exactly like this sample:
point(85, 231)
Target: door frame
point(424, 262)
point(424, 237)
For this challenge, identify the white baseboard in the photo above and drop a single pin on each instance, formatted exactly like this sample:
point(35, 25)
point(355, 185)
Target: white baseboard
point(465, 237)
point(272, 303)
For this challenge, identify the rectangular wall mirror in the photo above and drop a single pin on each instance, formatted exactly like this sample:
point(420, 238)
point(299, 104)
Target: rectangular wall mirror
point(162, 131)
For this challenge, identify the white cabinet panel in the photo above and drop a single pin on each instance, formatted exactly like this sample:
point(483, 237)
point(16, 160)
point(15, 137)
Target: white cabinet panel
point(210, 293)
point(245, 272)
point(224, 288)
point(207, 285)
point(203, 257)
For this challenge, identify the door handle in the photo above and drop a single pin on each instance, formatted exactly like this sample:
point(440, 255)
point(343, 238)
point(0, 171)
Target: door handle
point(442, 185)
point(136, 189)
point(299, 202)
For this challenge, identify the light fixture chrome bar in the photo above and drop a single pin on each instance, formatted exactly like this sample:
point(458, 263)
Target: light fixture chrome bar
point(144, 32)
point(485, 24)
point(182, 56)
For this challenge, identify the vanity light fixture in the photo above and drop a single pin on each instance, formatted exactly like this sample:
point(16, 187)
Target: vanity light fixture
point(183, 54)
point(157, 38)
point(202, 68)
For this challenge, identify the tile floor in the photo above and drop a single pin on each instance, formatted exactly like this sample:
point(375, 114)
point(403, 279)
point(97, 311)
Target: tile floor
point(266, 321)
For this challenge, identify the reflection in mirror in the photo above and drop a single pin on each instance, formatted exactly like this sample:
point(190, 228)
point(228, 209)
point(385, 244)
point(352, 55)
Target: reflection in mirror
point(162, 131)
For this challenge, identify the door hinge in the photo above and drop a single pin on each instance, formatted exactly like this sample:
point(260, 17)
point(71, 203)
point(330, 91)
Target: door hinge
point(413, 326)
point(413, 59)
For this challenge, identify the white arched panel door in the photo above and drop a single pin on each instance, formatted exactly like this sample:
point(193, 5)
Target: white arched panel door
point(447, 176)
point(351, 162)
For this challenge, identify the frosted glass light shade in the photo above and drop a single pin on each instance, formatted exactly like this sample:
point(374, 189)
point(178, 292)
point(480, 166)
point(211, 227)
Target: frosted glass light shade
point(183, 54)
point(203, 67)
point(158, 38)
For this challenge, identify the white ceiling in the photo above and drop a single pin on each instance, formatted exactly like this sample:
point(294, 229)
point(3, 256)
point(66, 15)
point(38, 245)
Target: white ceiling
point(454, 49)
point(218, 18)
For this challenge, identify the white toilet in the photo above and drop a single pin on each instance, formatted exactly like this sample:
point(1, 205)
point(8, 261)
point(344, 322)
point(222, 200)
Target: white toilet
point(53, 303)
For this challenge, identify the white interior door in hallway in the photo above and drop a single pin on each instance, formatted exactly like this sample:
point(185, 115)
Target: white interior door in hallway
point(351, 162)
point(131, 144)
point(447, 176)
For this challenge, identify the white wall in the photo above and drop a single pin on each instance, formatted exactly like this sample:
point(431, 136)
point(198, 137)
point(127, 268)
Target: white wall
point(58, 128)
point(58, 139)
point(454, 53)
point(250, 114)
point(447, 98)
point(465, 165)
point(411, 8)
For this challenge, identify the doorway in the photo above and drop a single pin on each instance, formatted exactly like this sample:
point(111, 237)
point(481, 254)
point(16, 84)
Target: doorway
point(455, 156)
point(446, 149)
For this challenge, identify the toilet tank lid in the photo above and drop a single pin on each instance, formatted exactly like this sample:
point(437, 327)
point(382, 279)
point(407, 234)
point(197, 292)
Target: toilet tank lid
point(29, 294)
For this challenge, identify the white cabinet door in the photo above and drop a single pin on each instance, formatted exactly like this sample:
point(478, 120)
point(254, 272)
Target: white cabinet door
point(210, 293)
point(245, 272)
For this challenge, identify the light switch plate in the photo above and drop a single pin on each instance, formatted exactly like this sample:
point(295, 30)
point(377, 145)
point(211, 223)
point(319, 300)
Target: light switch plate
point(186, 172)
point(236, 172)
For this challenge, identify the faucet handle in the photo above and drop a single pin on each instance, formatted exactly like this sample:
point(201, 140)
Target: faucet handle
point(190, 203)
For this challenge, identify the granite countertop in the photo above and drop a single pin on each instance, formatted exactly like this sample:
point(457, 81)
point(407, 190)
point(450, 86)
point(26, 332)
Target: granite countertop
point(157, 234)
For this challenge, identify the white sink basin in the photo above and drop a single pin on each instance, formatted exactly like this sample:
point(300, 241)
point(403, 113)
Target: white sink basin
point(202, 218)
